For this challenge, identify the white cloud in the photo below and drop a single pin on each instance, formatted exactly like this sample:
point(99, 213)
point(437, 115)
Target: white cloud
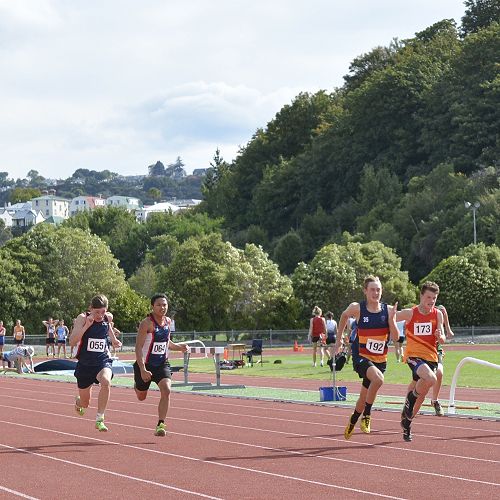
point(120, 84)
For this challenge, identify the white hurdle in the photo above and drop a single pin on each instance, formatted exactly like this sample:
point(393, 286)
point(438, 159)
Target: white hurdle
point(216, 352)
point(451, 405)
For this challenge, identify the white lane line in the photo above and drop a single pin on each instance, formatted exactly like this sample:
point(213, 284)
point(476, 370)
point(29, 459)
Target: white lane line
point(291, 452)
point(289, 433)
point(192, 459)
point(316, 413)
point(105, 471)
point(17, 493)
point(251, 407)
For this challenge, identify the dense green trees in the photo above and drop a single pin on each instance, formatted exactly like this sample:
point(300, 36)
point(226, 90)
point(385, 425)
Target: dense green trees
point(55, 272)
point(470, 285)
point(334, 277)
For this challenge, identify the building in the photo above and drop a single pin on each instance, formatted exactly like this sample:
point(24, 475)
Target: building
point(82, 203)
point(187, 203)
point(6, 217)
point(51, 206)
point(163, 207)
point(28, 217)
point(124, 202)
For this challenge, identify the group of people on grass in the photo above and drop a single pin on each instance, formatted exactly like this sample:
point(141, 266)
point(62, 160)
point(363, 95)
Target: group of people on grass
point(373, 325)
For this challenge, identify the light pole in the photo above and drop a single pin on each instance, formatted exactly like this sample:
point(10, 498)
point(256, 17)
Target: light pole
point(473, 207)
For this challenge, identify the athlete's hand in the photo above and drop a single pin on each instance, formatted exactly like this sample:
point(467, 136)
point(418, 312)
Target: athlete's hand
point(184, 347)
point(393, 311)
point(116, 343)
point(146, 375)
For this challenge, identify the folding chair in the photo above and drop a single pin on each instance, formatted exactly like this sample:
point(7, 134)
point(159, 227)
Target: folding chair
point(256, 350)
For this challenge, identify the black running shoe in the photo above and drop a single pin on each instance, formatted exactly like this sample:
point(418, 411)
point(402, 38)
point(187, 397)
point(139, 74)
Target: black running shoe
point(330, 364)
point(406, 425)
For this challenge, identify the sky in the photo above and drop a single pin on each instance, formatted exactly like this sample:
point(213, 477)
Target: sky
point(121, 84)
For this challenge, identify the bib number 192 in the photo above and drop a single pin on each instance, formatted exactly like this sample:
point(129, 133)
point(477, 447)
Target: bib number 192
point(375, 346)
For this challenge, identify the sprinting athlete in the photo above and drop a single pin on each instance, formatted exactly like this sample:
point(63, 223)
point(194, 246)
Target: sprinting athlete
point(90, 332)
point(375, 323)
point(151, 354)
point(424, 324)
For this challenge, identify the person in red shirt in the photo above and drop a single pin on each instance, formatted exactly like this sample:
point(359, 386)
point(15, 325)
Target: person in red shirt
point(317, 332)
point(424, 329)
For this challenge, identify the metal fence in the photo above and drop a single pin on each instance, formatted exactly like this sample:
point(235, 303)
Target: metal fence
point(285, 338)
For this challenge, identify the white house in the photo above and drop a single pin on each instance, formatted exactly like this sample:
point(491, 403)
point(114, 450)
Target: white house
point(6, 217)
point(82, 203)
point(29, 217)
point(123, 202)
point(142, 213)
point(51, 206)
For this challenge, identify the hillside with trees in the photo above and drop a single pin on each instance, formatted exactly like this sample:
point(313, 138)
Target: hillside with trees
point(391, 156)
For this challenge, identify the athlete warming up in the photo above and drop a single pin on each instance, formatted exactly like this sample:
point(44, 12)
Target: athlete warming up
point(151, 354)
point(375, 323)
point(90, 333)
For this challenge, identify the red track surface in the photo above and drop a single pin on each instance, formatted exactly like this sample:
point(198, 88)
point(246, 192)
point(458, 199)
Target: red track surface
point(231, 448)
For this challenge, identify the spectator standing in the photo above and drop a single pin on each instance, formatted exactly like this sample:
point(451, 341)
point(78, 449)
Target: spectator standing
point(50, 340)
point(317, 331)
point(62, 334)
point(331, 337)
point(19, 333)
point(2, 337)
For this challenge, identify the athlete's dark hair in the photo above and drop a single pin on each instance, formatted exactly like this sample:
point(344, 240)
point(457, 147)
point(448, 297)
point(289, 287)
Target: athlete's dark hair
point(431, 286)
point(157, 296)
point(99, 301)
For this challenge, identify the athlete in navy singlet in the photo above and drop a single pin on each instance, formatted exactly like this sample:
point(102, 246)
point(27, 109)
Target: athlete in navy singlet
point(90, 334)
point(375, 323)
point(151, 353)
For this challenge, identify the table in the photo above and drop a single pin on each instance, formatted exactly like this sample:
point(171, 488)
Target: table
point(237, 347)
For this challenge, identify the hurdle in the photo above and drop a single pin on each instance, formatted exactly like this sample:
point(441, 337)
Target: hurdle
point(216, 352)
point(451, 405)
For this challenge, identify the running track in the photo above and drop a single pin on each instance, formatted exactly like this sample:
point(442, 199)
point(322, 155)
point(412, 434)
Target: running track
point(232, 448)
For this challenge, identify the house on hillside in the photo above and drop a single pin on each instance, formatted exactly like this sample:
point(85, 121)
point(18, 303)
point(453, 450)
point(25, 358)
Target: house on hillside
point(143, 213)
point(27, 217)
point(6, 217)
point(186, 203)
point(51, 205)
point(83, 203)
point(124, 202)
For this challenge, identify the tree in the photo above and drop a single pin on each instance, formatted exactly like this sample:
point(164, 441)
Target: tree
point(288, 252)
point(470, 285)
point(157, 169)
point(176, 169)
point(479, 14)
point(20, 195)
point(335, 275)
point(58, 271)
point(154, 194)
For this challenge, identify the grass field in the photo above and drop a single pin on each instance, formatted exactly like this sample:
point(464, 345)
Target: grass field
point(299, 365)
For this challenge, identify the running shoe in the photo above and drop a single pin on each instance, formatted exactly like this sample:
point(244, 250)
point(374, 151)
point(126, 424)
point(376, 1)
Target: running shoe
point(100, 426)
point(321, 363)
point(78, 408)
point(161, 430)
point(365, 424)
point(406, 425)
point(348, 430)
point(437, 408)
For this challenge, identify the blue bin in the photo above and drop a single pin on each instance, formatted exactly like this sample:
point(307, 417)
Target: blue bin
point(331, 394)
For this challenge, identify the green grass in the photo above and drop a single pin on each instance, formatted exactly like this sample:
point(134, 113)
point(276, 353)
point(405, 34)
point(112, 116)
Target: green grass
point(299, 365)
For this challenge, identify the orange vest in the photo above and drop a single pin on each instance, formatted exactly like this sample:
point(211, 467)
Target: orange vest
point(421, 339)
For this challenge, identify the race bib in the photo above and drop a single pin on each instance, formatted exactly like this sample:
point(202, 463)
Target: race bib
point(422, 328)
point(159, 348)
point(96, 345)
point(375, 346)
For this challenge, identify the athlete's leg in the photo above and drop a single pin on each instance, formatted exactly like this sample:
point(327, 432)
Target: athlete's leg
point(104, 379)
point(164, 385)
point(315, 348)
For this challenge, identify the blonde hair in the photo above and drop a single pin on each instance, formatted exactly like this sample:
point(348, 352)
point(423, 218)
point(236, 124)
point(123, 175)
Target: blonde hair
point(317, 311)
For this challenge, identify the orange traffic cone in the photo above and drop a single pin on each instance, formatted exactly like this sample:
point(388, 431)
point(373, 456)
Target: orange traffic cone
point(226, 354)
point(295, 347)
point(301, 348)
